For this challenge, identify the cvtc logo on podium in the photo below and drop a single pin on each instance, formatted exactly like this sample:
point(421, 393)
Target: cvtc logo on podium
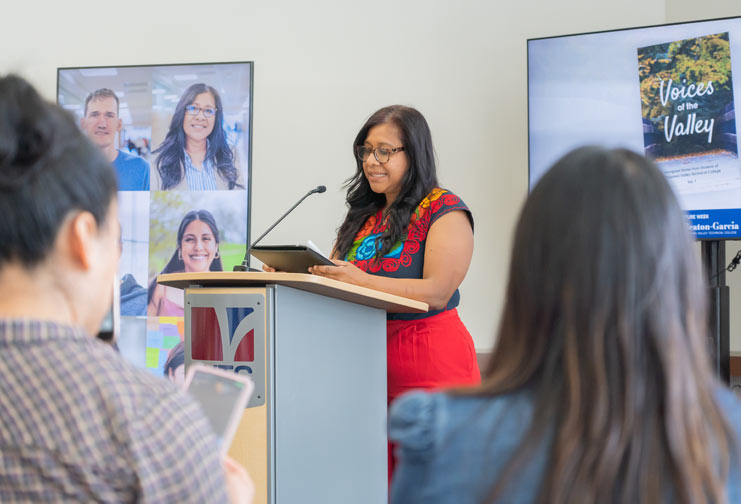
point(224, 335)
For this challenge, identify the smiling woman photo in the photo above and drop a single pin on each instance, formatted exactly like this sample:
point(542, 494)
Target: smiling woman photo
point(197, 251)
point(195, 155)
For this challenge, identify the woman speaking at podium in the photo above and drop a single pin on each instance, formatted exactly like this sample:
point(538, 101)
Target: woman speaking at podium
point(405, 235)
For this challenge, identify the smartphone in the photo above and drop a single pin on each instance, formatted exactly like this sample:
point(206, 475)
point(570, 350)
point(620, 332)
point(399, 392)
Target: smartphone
point(223, 396)
point(110, 328)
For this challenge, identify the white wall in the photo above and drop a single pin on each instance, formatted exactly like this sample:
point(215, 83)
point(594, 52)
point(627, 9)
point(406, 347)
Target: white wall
point(321, 68)
point(690, 10)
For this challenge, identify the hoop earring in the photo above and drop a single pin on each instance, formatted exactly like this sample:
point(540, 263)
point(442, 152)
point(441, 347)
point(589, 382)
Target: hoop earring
point(216, 256)
point(180, 255)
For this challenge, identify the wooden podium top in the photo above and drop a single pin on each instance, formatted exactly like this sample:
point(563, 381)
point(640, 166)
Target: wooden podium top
point(302, 281)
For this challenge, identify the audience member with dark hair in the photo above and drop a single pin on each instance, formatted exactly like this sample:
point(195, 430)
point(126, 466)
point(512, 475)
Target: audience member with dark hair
point(77, 423)
point(197, 250)
point(405, 235)
point(195, 155)
point(599, 389)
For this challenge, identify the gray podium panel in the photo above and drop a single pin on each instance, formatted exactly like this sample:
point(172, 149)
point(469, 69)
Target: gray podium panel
point(327, 365)
point(229, 321)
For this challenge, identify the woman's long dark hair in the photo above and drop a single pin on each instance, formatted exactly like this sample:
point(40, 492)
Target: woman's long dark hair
point(171, 159)
point(605, 322)
point(419, 180)
point(175, 359)
point(176, 264)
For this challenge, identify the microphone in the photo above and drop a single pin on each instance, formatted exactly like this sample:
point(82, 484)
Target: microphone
point(245, 266)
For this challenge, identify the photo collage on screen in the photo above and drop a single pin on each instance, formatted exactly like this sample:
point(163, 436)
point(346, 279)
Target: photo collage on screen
point(178, 137)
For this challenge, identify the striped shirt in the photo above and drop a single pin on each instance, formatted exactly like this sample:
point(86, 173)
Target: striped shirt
point(78, 424)
point(203, 179)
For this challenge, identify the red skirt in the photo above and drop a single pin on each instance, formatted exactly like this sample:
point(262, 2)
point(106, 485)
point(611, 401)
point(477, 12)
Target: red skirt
point(429, 353)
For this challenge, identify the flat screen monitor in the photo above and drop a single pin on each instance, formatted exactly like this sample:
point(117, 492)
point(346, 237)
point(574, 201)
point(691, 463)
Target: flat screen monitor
point(179, 138)
point(667, 91)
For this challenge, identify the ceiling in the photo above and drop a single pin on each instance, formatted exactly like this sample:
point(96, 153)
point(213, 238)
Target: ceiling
point(140, 89)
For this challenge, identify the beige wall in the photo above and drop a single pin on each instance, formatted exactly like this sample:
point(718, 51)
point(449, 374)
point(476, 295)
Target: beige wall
point(322, 67)
point(689, 10)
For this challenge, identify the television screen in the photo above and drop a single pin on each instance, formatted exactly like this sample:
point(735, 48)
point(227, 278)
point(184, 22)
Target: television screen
point(665, 91)
point(179, 138)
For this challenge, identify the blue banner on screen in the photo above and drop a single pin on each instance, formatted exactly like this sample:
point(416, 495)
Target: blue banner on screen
point(668, 92)
point(718, 224)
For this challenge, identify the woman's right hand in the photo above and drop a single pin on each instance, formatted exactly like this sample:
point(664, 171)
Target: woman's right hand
point(268, 269)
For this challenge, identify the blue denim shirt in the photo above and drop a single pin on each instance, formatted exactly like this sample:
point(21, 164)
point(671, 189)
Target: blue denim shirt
point(132, 172)
point(452, 449)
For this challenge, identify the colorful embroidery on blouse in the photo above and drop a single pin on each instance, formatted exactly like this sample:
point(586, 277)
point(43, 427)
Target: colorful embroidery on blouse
point(368, 246)
point(367, 241)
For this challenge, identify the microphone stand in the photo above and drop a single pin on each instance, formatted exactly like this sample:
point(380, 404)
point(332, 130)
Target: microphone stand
point(245, 266)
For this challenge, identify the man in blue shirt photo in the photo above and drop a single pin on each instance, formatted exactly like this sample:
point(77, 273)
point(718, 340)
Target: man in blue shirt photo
point(102, 124)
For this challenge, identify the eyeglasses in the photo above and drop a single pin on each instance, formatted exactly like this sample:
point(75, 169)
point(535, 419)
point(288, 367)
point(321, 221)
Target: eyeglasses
point(382, 155)
point(207, 112)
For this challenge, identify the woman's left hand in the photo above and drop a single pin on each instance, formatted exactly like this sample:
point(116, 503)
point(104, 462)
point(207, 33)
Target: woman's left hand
point(343, 271)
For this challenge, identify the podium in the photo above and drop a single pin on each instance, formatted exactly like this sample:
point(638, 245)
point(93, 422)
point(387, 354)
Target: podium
point(315, 427)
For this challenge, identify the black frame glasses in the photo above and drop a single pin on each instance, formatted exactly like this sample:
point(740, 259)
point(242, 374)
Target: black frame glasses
point(195, 110)
point(381, 154)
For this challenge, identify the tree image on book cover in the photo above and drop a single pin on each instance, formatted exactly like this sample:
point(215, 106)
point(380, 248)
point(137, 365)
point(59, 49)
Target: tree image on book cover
point(687, 99)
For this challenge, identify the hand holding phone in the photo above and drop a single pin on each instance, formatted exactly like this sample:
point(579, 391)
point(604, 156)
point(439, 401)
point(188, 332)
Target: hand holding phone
point(223, 397)
point(239, 485)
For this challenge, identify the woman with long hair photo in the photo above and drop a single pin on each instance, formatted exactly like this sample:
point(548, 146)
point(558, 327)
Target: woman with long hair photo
point(195, 154)
point(600, 388)
point(197, 250)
